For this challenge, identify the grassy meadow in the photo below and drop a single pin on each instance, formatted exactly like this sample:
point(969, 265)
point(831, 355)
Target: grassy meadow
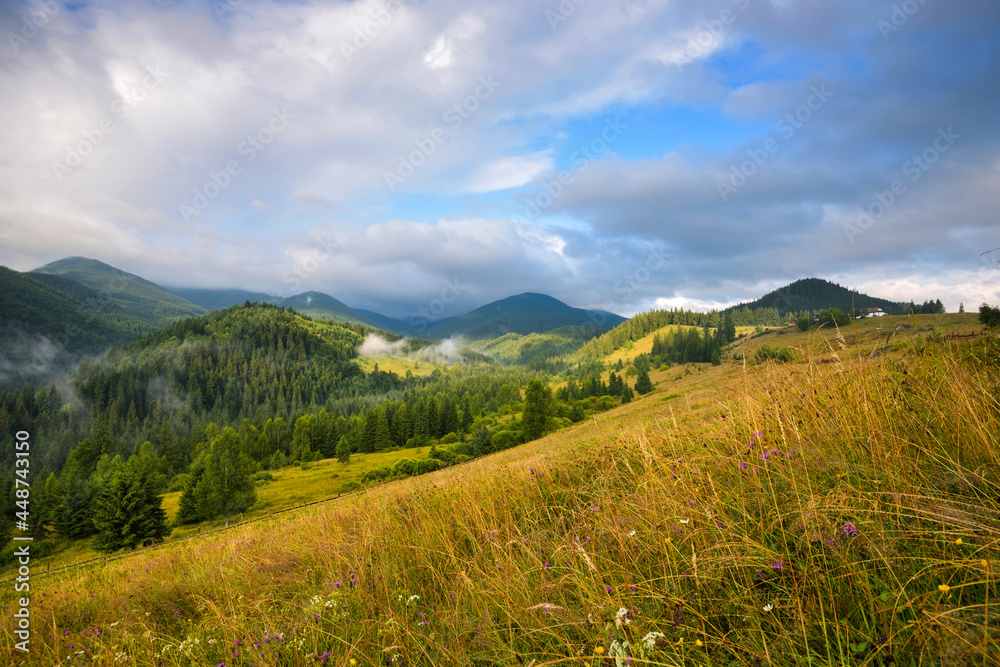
point(843, 509)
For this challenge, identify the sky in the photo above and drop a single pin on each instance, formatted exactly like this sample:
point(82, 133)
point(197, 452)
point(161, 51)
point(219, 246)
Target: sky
point(615, 154)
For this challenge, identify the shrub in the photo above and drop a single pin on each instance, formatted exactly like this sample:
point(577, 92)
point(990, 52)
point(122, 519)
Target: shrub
point(768, 352)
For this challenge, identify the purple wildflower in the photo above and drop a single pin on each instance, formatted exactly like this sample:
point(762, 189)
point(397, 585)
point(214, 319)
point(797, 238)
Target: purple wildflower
point(849, 529)
point(778, 565)
point(743, 465)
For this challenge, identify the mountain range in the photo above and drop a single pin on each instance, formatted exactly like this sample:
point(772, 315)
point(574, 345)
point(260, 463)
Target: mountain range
point(78, 306)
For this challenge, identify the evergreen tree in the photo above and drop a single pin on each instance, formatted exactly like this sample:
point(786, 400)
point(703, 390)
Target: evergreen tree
point(989, 316)
point(343, 450)
point(537, 409)
point(643, 385)
point(226, 486)
point(187, 510)
point(728, 328)
point(482, 441)
point(75, 493)
point(627, 395)
point(127, 510)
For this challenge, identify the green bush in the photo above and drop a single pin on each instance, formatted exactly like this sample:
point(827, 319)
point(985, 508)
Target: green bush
point(768, 352)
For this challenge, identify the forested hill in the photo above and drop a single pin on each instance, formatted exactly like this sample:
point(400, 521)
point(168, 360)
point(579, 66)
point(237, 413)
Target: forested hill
point(278, 385)
point(521, 314)
point(46, 322)
point(138, 297)
point(816, 294)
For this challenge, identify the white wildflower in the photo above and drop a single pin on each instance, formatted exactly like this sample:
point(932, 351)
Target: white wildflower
point(621, 618)
point(413, 598)
point(649, 641)
point(768, 607)
point(632, 534)
point(619, 651)
point(685, 520)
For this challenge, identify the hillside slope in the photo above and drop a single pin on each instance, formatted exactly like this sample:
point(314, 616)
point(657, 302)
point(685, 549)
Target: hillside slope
point(48, 322)
point(816, 294)
point(137, 296)
point(766, 518)
point(521, 314)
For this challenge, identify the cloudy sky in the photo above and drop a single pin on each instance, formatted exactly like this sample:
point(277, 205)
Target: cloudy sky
point(618, 154)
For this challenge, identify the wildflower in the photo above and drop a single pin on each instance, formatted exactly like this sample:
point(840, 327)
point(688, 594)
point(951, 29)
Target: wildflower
point(958, 541)
point(765, 455)
point(849, 529)
point(353, 662)
point(685, 520)
point(691, 503)
point(622, 617)
point(599, 650)
point(607, 588)
point(720, 525)
point(547, 566)
point(944, 588)
point(697, 642)
point(669, 540)
point(757, 434)
point(755, 470)
point(632, 534)
point(743, 465)
point(651, 640)
point(775, 452)
point(768, 607)
point(777, 565)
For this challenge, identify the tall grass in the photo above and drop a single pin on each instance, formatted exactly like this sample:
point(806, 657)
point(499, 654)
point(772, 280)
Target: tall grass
point(835, 514)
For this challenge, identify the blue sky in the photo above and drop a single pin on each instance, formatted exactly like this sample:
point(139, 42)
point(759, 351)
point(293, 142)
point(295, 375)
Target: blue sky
point(276, 146)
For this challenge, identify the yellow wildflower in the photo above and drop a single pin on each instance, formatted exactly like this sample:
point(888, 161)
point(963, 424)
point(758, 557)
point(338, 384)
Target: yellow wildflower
point(599, 650)
point(944, 588)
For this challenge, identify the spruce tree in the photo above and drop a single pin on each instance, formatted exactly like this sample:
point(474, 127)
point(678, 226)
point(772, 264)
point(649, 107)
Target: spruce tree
point(226, 487)
point(643, 385)
point(75, 493)
point(128, 510)
point(343, 450)
point(537, 409)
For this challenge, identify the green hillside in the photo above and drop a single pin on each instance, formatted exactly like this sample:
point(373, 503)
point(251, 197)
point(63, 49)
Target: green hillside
point(521, 314)
point(218, 299)
point(49, 321)
point(816, 294)
point(138, 297)
point(536, 348)
point(324, 306)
